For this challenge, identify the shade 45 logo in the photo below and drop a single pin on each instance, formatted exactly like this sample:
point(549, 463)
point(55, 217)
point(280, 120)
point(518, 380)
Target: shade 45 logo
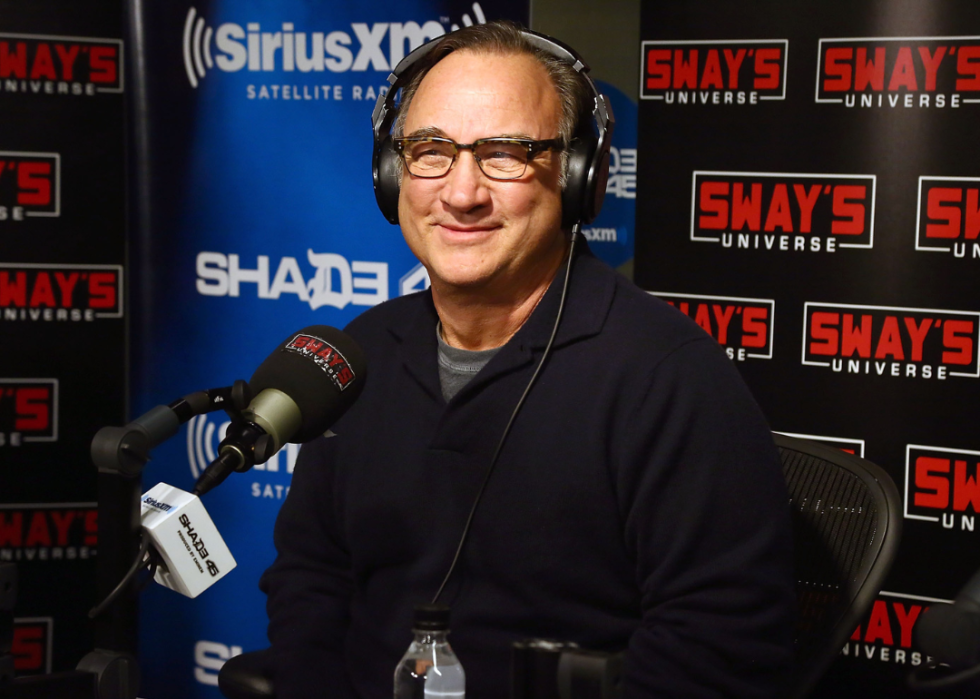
point(890, 341)
point(60, 65)
point(851, 446)
point(714, 72)
point(30, 185)
point(38, 292)
point(949, 216)
point(48, 532)
point(942, 486)
point(31, 647)
point(906, 73)
point(28, 411)
point(742, 326)
point(783, 211)
point(886, 633)
point(204, 434)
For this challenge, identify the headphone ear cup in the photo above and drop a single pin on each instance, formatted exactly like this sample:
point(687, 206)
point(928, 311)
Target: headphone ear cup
point(597, 187)
point(387, 166)
point(576, 199)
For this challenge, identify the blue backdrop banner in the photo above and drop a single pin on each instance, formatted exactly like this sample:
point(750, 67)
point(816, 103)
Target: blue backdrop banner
point(260, 219)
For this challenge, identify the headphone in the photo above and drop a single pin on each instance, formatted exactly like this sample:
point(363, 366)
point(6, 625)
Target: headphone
point(588, 152)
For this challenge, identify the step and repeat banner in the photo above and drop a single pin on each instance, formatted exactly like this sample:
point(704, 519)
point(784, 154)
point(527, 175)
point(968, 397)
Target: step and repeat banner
point(809, 196)
point(62, 309)
point(258, 218)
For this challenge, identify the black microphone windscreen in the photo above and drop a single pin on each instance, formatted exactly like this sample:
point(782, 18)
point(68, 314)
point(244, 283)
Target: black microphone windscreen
point(322, 369)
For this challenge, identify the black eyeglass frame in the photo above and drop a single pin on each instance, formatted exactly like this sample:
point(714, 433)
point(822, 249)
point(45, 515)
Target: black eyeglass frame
point(533, 148)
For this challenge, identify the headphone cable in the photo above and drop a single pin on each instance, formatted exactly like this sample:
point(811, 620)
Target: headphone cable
point(503, 437)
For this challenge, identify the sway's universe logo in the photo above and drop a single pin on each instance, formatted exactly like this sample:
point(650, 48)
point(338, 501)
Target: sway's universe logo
point(48, 532)
point(908, 73)
point(742, 326)
point(334, 282)
point(28, 411)
point(886, 633)
point(30, 185)
point(358, 48)
point(851, 446)
point(31, 646)
point(205, 432)
point(889, 341)
point(948, 218)
point(772, 211)
point(60, 65)
point(325, 356)
point(942, 486)
point(43, 292)
point(713, 72)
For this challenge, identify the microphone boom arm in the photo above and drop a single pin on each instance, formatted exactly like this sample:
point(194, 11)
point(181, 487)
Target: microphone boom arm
point(125, 450)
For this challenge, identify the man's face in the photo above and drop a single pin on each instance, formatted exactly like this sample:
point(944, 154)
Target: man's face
point(468, 230)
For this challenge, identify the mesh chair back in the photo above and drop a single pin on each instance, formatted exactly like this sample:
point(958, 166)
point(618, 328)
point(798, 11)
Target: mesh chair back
point(846, 528)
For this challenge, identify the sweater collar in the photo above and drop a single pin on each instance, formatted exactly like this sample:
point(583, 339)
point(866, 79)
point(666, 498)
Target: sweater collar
point(590, 294)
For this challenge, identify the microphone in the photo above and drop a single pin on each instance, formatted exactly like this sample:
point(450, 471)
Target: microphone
point(300, 390)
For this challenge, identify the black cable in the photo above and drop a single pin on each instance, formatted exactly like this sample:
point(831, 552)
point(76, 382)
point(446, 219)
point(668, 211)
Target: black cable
point(154, 560)
point(134, 569)
point(513, 416)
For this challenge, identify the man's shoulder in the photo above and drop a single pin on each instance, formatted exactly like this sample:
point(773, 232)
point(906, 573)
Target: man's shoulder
point(639, 320)
point(395, 315)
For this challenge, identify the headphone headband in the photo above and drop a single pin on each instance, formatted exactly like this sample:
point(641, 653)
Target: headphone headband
point(588, 154)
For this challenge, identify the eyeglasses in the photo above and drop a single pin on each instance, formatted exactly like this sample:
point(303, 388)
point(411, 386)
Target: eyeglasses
point(498, 158)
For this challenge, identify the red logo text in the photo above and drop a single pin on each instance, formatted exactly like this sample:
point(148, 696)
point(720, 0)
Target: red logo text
point(949, 216)
point(48, 532)
point(942, 486)
point(326, 356)
point(714, 72)
point(886, 633)
point(31, 645)
point(778, 211)
point(742, 326)
point(59, 65)
point(28, 411)
point(29, 185)
point(892, 342)
point(899, 73)
point(60, 292)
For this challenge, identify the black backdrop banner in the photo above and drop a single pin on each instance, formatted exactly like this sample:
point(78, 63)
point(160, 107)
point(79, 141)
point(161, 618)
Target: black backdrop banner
point(62, 308)
point(809, 183)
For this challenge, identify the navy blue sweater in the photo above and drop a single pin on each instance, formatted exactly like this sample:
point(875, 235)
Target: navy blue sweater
point(638, 503)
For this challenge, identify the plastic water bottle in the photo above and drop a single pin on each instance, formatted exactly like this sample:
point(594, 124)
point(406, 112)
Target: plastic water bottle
point(430, 669)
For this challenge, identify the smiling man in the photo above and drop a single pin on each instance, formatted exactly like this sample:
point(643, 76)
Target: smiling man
point(616, 482)
point(491, 247)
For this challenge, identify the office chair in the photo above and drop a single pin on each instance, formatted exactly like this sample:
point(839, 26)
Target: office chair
point(847, 523)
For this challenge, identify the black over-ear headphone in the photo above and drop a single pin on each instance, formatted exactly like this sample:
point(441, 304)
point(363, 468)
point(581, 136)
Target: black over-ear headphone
point(588, 153)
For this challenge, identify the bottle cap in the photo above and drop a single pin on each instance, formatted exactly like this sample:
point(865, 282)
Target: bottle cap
point(431, 617)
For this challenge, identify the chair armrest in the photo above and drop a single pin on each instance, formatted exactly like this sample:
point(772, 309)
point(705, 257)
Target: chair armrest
point(248, 676)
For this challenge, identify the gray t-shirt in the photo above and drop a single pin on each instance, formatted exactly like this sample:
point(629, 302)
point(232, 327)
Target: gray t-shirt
point(458, 366)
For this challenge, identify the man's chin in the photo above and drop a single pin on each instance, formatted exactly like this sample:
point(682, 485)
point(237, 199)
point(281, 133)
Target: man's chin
point(462, 277)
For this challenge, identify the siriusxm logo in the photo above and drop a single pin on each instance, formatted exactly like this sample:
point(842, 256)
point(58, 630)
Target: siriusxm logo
point(232, 47)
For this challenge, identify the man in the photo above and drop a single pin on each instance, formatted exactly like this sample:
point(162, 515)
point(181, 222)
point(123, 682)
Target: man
point(636, 502)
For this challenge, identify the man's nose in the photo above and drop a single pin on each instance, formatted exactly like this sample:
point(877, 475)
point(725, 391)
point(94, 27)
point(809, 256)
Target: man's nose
point(466, 185)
